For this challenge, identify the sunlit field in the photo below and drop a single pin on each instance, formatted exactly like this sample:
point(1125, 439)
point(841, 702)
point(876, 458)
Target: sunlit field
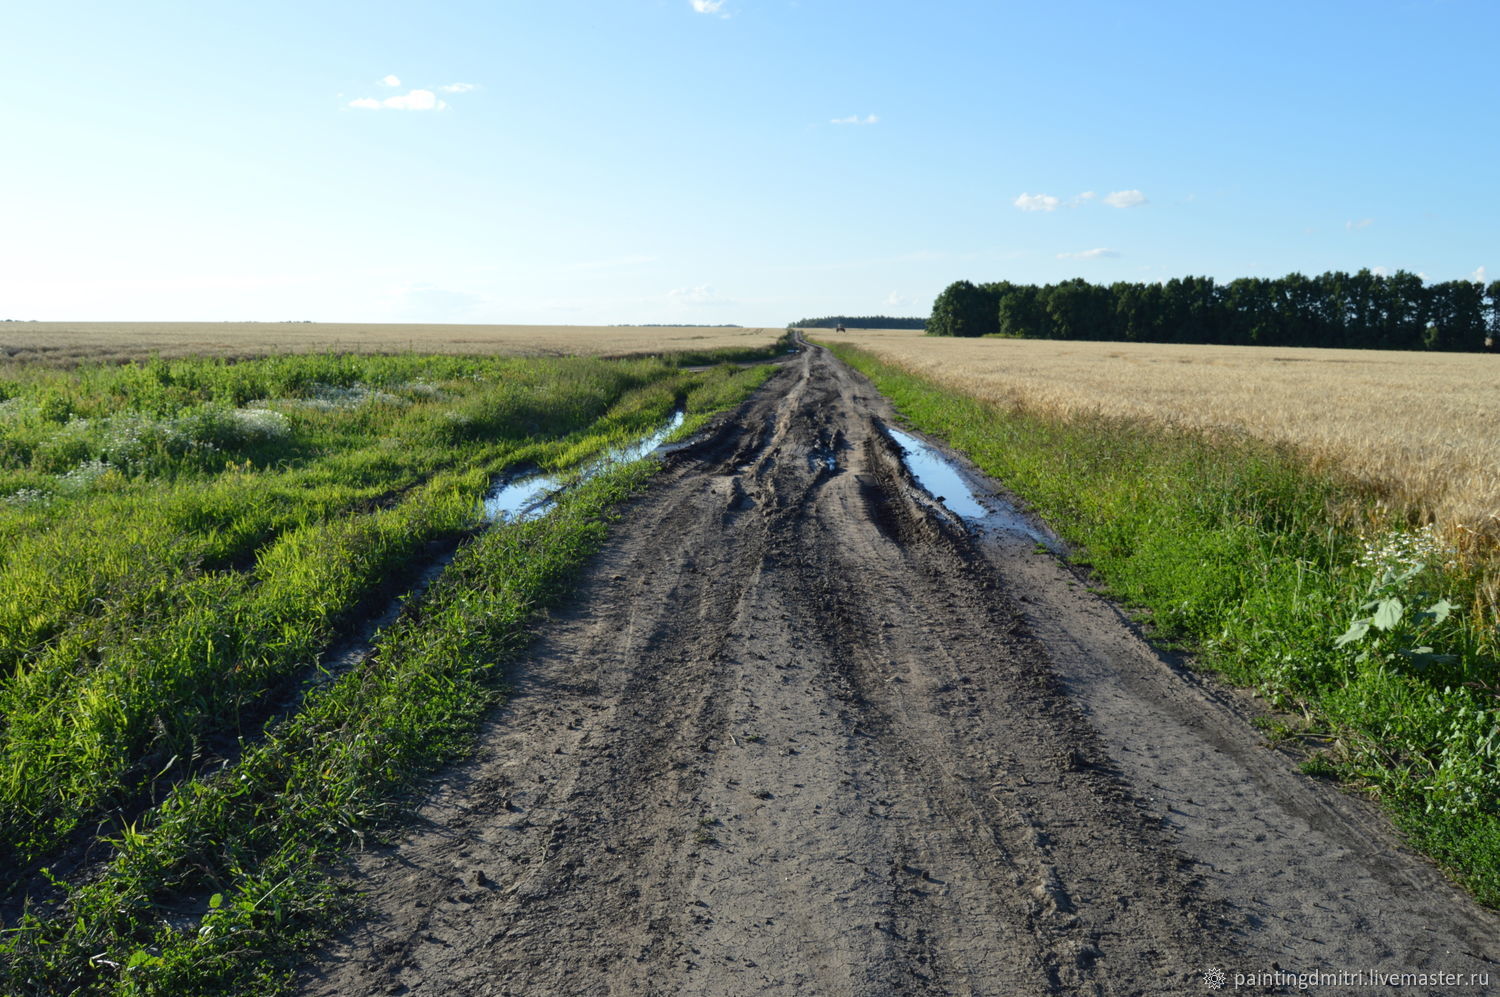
point(66, 343)
point(207, 684)
point(1418, 427)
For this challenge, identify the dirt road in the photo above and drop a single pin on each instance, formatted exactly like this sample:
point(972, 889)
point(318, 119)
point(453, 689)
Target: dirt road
point(803, 733)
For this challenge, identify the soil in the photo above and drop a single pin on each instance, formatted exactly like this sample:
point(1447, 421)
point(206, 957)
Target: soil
point(802, 732)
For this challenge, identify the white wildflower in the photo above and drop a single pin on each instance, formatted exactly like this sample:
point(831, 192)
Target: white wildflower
point(1407, 548)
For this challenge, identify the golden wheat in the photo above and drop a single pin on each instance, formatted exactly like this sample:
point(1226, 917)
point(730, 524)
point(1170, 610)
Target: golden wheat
point(1421, 428)
point(66, 343)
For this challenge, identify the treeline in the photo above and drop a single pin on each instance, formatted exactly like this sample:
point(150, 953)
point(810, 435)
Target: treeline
point(861, 322)
point(1362, 310)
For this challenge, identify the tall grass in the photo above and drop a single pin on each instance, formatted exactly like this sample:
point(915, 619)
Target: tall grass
point(156, 612)
point(1281, 575)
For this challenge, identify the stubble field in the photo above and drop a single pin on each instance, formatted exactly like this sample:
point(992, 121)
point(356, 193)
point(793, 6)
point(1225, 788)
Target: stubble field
point(67, 343)
point(1417, 427)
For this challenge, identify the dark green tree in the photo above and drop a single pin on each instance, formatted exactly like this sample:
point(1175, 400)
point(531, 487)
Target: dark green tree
point(963, 310)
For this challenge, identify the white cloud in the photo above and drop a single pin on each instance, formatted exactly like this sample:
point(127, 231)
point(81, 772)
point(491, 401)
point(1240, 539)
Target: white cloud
point(1036, 202)
point(707, 6)
point(1480, 276)
point(855, 119)
point(416, 100)
point(1381, 271)
point(1125, 199)
point(1090, 254)
point(703, 294)
point(895, 300)
point(391, 81)
point(458, 87)
point(1351, 225)
point(1087, 195)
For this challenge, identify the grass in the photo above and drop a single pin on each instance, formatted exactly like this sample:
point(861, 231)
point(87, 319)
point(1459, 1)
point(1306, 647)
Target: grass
point(1281, 574)
point(166, 601)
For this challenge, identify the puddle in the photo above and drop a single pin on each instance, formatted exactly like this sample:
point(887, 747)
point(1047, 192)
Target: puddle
point(943, 482)
point(824, 458)
point(534, 495)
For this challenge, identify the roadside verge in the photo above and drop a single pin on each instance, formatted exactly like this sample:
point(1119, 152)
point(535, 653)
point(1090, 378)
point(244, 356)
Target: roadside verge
point(1235, 551)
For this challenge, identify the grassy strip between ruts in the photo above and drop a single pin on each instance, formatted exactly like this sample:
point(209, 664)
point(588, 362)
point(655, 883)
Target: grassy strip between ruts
point(216, 889)
point(1280, 578)
point(160, 608)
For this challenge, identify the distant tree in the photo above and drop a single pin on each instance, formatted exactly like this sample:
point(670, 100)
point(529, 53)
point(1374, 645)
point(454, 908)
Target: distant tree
point(1402, 320)
point(963, 310)
point(1019, 313)
point(1455, 316)
point(1080, 310)
point(1337, 309)
point(1492, 331)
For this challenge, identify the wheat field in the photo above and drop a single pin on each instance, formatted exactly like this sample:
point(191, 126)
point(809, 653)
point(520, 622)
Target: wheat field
point(1421, 428)
point(67, 343)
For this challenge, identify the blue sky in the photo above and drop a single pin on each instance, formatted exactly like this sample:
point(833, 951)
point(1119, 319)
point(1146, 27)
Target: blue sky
point(707, 161)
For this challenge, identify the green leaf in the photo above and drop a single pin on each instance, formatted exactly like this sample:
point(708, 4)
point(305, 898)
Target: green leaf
point(1356, 630)
point(1394, 576)
point(216, 901)
point(1438, 611)
point(1388, 614)
point(1422, 657)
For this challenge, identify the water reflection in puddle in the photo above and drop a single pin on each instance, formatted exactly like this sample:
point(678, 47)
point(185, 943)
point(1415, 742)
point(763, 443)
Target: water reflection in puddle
point(942, 481)
point(534, 495)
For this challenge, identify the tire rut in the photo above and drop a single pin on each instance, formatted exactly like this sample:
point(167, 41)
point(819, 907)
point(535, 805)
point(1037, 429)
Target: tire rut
point(798, 733)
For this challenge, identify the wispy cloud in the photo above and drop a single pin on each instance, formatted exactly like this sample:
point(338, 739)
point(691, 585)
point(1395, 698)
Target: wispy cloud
point(1353, 225)
point(1036, 202)
point(1046, 202)
point(1480, 276)
point(612, 263)
point(1125, 199)
point(391, 81)
point(1090, 254)
point(703, 294)
point(855, 119)
point(459, 87)
point(708, 6)
point(416, 100)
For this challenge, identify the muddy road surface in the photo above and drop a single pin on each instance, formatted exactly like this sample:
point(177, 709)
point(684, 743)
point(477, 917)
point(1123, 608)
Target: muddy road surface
point(803, 731)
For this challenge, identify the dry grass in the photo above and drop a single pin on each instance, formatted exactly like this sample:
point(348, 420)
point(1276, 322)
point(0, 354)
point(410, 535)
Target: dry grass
point(1421, 428)
point(68, 343)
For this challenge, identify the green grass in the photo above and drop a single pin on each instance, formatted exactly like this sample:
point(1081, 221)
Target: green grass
point(1239, 552)
point(167, 601)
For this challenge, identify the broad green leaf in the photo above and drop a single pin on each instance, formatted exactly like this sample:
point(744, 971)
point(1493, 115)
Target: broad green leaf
point(216, 901)
point(1438, 611)
point(1422, 657)
point(1356, 630)
point(1388, 614)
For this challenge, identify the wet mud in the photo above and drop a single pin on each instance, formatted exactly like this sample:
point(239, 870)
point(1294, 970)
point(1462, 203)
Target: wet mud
point(808, 728)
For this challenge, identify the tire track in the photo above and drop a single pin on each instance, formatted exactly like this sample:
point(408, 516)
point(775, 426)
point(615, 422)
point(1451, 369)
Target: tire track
point(800, 733)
